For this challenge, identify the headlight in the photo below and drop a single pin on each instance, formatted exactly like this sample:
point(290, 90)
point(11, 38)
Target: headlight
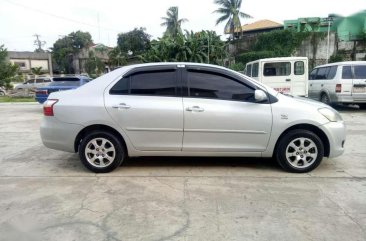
point(330, 114)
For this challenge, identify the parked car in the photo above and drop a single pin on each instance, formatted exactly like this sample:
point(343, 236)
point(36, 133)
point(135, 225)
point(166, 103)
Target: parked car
point(2, 91)
point(33, 83)
point(187, 109)
point(59, 84)
point(288, 75)
point(339, 83)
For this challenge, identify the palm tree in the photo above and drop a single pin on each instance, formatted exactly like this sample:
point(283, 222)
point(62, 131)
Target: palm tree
point(172, 22)
point(230, 11)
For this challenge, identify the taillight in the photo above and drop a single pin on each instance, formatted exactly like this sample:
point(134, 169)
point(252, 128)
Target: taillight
point(48, 107)
point(42, 92)
point(338, 88)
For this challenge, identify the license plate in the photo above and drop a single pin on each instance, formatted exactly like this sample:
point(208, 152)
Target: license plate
point(359, 89)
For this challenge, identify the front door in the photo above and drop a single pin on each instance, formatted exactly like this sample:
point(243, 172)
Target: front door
point(220, 115)
point(148, 106)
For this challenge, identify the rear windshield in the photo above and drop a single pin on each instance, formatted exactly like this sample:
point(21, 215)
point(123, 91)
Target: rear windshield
point(65, 83)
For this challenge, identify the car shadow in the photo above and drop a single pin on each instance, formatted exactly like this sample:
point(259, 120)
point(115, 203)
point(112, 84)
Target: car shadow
point(201, 162)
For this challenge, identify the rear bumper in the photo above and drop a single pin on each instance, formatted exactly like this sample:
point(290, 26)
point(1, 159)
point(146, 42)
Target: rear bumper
point(336, 133)
point(350, 99)
point(59, 135)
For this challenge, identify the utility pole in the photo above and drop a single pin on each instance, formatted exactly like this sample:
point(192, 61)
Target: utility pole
point(39, 43)
point(329, 19)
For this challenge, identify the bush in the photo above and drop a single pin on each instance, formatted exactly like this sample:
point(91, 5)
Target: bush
point(237, 66)
point(251, 56)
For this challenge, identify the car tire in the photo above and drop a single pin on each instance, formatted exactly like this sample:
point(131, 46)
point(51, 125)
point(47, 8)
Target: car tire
point(325, 99)
point(101, 152)
point(299, 151)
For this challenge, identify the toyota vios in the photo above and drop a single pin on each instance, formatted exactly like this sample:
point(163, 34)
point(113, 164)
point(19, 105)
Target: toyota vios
point(187, 109)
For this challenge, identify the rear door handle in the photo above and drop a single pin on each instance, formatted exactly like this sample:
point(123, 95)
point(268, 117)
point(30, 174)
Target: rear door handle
point(195, 109)
point(121, 106)
point(311, 84)
point(321, 85)
point(288, 79)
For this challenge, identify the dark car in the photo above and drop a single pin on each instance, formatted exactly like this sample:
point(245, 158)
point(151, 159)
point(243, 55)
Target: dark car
point(60, 84)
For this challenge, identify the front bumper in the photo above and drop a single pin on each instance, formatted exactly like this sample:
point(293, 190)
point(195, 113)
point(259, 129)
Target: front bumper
point(59, 135)
point(336, 133)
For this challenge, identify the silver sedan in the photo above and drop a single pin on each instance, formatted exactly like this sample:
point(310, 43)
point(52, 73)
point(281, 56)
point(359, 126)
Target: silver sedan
point(187, 109)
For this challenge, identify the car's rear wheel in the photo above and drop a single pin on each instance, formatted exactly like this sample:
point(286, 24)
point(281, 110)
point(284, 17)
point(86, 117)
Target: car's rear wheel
point(299, 151)
point(325, 99)
point(101, 151)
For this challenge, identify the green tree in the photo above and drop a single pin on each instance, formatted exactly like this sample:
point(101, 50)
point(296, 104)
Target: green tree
point(7, 69)
point(137, 41)
point(172, 22)
point(65, 48)
point(230, 12)
point(37, 70)
point(94, 65)
point(201, 47)
point(117, 58)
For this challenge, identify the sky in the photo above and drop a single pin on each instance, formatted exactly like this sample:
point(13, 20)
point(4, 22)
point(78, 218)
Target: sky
point(21, 19)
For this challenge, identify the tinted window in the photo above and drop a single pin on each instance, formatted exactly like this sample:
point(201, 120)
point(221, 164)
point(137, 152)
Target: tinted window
point(346, 72)
point(255, 70)
point(249, 70)
point(39, 81)
point(322, 73)
point(121, 87)
point(299, 68)
point(313, 74)
point(332, 72)
point(216, 86)
point(359, 71)
point(64, 83)
point(277, 69)
point(47, 80)
point(66, 79)
point(159, 83)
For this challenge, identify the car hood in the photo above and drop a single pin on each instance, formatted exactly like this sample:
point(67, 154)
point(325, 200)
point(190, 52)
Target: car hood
point(308, 101)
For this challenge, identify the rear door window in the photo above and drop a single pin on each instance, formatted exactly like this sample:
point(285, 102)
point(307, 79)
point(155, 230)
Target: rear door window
point(299, 68)
point(255, 70)
point(322, 73)
point(332, 72)
point(347, 72)
point(249, 70)
point(359, 72)
point(277, 69)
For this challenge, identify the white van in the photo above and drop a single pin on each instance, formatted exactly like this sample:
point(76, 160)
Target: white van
point(342, 82)
point(288, 75)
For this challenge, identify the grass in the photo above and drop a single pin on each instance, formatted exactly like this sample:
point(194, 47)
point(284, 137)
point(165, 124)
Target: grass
point(7, 99)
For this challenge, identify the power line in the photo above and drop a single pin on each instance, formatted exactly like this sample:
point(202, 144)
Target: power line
point(60, 17)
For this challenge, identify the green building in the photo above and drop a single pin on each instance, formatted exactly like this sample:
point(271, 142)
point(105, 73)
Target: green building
point(349, 28)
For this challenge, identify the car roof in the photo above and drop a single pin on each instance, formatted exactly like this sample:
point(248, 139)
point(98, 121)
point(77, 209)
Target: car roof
point(342, 63)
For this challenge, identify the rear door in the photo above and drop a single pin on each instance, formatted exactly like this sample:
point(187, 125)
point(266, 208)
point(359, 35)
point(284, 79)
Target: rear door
point(299, 80)
point(277, 75)
point(346, 81)
point(359, 83)
point(220, 114)
point(147, 105)
point(314, 85)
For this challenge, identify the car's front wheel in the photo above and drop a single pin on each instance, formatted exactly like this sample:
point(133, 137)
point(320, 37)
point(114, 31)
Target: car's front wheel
point(299, 151)
point(101, 151)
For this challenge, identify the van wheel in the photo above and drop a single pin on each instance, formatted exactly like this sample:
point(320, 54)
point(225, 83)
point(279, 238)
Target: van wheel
point(299, 151)
point(101, 152)
point(325, 99)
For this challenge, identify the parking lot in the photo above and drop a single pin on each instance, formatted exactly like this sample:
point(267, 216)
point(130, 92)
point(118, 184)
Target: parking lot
point(49, 195)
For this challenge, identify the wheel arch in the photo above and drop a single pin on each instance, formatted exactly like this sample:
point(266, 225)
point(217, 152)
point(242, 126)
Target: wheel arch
point(98, 127)
point(323, 137)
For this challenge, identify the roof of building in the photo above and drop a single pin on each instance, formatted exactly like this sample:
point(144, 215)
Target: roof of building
point(258, 25)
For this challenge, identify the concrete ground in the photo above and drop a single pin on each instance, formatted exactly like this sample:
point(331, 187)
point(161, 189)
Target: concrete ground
point(49, 195)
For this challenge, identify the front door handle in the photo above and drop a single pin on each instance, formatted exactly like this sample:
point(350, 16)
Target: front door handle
point(121, 106)
point(321, 85)
point(195, 109)
point(311, 84)
point(288, 79)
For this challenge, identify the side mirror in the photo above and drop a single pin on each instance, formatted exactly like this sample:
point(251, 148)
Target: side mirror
point(260, 96)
